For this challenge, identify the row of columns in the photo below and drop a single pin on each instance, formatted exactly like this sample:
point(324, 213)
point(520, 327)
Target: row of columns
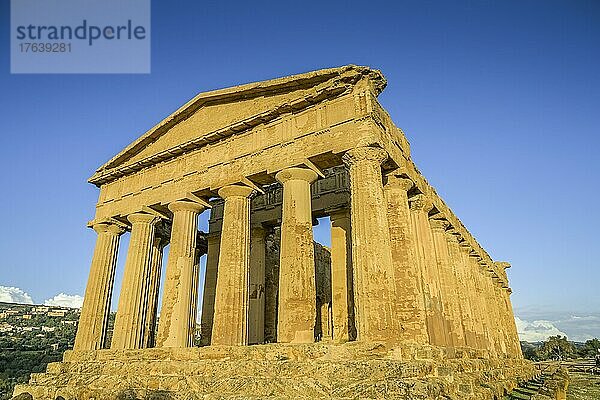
point(398, 274)
point(448, 296)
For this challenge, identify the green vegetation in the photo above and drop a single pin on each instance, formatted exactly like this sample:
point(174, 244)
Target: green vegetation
point(559, 348)
point(583, 386)
point(28, 344)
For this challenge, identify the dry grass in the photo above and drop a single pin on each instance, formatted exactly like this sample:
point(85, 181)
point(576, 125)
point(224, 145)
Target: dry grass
point(583, 386)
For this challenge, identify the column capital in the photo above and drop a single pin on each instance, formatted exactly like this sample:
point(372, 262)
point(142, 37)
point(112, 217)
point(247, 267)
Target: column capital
point(296, 174)
point(141, 217)
point(399, 182)
point(339, 215)
point(420, 202)
point(451, 236)
point(358, 154)
point(102, 227)
point(439, 224)
point(465, 245)
point(181, 205)
point(257, 230)
point(235, 191)
point(502, 264)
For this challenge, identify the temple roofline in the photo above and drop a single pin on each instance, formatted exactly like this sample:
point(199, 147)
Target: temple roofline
point(350, 73)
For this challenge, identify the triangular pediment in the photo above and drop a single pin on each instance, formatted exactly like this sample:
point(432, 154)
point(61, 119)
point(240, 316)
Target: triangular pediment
point(211, 116)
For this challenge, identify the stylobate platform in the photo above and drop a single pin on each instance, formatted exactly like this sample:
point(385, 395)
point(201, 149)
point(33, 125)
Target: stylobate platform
point(277, 371)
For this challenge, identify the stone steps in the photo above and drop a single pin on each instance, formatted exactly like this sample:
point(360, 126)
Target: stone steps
point(271, 372)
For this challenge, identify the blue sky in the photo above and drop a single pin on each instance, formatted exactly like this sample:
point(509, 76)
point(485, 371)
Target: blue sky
point(499, 100)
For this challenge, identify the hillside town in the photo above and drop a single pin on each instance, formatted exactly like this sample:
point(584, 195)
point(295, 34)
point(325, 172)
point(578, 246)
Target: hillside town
point(37, 327)
point(31, 336)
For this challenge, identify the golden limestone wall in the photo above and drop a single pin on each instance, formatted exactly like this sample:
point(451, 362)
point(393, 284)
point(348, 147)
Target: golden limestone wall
point(269, 158)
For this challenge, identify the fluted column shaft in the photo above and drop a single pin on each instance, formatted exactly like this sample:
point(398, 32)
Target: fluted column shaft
point(410, 305)
point(341, 275)
point(463, 288)
point(484, 309)
point(374, 284)
point(91, 331)
point(210, 286)
point(256, 306)
point(194, 298)
point(516, 344)
point(496, 319)
point(174, 323)
point(448, 284)
point(133, 300)
point(297, 289)
point(230, 322)
point(474, 299)
point(503, 327)
point(420, 206)
point(153, 289)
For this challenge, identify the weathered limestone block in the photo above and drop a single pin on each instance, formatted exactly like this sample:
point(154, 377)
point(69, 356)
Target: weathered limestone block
point(91, 332)
point(230, 322)
point(297, 291)
point(174, 323)
point(130, 321)
point(373, 273)
point(410, 304)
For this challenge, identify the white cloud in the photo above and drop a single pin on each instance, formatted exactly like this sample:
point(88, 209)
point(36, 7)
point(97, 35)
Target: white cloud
point(9, 294)
point(536, 331)
point(65, 300)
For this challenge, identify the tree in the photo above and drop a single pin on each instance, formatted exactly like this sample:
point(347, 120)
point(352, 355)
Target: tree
point(589, 348)
point(556, 348)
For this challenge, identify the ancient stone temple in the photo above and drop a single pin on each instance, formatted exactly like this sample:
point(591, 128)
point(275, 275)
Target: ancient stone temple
point(404, 304)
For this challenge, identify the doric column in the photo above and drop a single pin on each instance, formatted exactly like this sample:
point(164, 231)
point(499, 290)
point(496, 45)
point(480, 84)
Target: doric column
point(478, 312)
point(517, 352)
point(174, 322)
point(194, 297)
point(272, 259)
point(420, 206)
point(510, 328)
point(462, 290)
point(502, 316)
point(153, 287)
point(373, 272)
point(448, 284)
point(91, 331)
point(495, 317)
point(410, 306)
point(297, 290)
point(210, 286)
point(341, 275)
point(230, 322)
point(482, 301)
point(256, 306)
point(131, 315)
